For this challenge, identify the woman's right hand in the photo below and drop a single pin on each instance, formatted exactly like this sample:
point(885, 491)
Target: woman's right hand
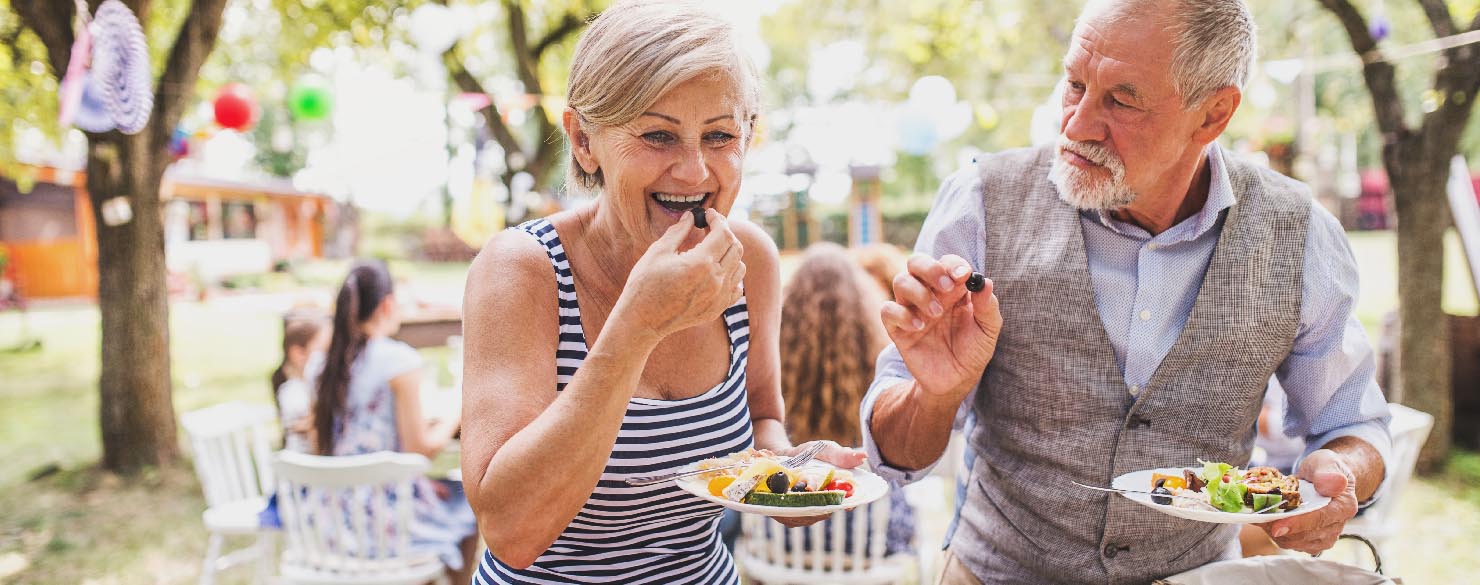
point(671, 289)
point(945, 333)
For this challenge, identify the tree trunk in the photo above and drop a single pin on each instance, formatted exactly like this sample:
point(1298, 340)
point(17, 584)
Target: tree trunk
point(1418, 181)
point(136, 415)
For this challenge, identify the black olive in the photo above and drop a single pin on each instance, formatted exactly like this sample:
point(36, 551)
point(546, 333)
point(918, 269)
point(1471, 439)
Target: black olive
point(976, 282)
point(778, 482)
point(801, 486)
point(700, 221)
point(1161, 482)
point(1161, 495)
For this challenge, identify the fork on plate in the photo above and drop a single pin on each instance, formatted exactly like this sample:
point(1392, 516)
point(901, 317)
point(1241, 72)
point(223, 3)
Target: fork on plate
point(793, 462)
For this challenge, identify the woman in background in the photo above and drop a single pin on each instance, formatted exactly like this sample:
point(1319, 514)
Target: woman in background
point(369, 400)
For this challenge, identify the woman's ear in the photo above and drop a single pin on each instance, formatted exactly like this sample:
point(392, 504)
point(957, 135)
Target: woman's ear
point(580, 141)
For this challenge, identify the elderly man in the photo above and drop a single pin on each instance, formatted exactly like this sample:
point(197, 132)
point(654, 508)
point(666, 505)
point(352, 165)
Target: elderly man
point(1149, 286)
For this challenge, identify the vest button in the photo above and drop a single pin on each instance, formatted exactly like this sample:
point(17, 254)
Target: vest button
point(1111, 550)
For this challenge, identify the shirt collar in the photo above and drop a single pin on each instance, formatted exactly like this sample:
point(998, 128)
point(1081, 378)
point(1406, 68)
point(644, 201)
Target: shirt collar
point(1220, 197)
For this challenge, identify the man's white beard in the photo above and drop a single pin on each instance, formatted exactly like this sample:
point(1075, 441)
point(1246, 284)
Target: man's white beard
point(1089, 189)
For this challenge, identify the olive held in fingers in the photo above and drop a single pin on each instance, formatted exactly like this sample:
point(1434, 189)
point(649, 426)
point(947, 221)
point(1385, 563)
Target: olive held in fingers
point(700, 221)
point(976, 282)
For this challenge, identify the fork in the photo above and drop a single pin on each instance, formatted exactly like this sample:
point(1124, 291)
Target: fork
point(1124, 491)
point(793, 462)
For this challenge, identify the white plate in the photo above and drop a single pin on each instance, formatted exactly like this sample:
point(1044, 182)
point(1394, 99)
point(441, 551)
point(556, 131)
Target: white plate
point(867, 487)
point(1310, 500)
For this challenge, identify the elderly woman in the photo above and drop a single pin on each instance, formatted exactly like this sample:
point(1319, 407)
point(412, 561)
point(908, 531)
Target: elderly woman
point(618, 339)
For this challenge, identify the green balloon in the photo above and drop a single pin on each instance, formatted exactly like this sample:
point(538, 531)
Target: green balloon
point(310, 102)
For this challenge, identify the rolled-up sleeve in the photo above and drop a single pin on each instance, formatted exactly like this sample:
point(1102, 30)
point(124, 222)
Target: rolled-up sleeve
point(1329, 376)
point(955, 225)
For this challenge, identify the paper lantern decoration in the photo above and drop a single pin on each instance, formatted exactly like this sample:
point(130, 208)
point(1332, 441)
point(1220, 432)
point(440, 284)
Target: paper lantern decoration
point(120, 66)
point(235, 108)
point(180, 143)
point(76, 78)
point(91, 114)
point(310, 101)
point(1380, 28)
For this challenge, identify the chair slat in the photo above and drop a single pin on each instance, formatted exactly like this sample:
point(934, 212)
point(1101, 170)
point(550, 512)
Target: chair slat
point(839, 523)
point(860, 533)
point(246, 477)
point(878, 514)
point(815, 532)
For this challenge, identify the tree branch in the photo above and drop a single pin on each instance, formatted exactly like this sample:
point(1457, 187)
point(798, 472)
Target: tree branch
point(569, 24)
point(469, 84)
point(1439, 18)
point(196, 39)
point(1377, 72)
point(524, 62)
point(51, 20)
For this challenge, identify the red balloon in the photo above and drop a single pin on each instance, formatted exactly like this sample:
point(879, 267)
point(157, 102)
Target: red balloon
point(235, 107)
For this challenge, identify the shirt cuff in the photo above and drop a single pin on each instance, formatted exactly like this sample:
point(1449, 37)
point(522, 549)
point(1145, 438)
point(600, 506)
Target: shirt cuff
point(1374, 433)
point(894, 475)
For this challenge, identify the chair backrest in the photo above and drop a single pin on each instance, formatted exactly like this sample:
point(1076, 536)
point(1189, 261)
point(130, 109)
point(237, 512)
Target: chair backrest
point(232, 447)
point(1410, 429)
point(848, 548)
point(347, 515)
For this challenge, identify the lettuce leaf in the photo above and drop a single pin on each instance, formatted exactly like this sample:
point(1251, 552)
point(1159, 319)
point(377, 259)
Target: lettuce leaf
point(1227, 496)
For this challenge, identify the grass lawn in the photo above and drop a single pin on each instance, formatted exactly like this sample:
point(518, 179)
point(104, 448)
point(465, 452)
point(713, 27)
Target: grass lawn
point(77, 525)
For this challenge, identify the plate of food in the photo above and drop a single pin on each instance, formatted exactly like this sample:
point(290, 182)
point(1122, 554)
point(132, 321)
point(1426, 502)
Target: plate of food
point(1221, 493)
point(758, 482)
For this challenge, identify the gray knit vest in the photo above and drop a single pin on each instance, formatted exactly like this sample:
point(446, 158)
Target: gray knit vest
point(1053, 406)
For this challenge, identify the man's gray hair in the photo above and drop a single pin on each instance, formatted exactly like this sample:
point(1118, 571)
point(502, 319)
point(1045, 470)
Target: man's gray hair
point(1214, 41)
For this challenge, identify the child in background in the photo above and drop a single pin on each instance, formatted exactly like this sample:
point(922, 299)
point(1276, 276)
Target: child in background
point(305, 338)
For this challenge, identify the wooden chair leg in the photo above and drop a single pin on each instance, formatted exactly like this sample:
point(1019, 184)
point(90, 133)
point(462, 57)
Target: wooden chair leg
point(213, 555)
point(266, 558)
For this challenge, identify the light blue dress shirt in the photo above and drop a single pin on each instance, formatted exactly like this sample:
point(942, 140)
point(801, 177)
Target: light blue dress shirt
point(1145, 286)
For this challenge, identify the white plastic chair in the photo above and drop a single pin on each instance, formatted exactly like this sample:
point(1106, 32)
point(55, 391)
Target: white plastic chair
point(766, 555)
point(1410, 428)
point(348, 520)
point(231, 444)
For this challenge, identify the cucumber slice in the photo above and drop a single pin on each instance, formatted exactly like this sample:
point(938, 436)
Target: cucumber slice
point(796, 499)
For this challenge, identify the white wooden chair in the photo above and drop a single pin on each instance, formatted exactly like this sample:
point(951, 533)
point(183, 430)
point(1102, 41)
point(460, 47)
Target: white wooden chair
point(231, 444)
point(766, 554)
point(1410, 428)
point(347, 520)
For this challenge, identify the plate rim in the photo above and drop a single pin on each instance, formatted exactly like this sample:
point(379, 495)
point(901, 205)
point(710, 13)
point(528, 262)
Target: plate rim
point(1218, 516)
point(857, 500)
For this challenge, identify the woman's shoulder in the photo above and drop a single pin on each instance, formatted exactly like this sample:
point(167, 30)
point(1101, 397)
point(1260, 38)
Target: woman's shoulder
point(760, 250)
point(513, 256)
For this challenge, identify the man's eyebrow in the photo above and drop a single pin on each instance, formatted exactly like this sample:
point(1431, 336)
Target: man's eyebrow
point(1128, 89)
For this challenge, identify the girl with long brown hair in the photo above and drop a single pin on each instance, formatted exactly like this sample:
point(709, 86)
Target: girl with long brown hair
point(369, 400)
point(831, 334)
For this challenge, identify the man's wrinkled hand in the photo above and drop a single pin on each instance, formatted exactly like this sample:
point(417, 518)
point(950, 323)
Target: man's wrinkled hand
point(1317, 531)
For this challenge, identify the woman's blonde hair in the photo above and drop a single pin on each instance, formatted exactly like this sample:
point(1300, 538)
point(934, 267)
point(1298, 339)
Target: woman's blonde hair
point(830, 335)
point(637, 50)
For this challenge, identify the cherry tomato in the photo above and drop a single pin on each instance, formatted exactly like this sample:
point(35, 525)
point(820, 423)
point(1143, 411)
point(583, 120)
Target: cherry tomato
point(846, 486)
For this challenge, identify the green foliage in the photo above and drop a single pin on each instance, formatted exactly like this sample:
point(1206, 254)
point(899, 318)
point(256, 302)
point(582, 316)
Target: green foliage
point(27, 88)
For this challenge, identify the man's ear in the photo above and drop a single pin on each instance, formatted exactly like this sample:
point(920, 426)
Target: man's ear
point(1217, 111)
point(580, 141)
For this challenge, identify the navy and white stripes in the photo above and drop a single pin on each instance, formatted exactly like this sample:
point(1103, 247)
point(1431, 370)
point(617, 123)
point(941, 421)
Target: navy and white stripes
point(648, 534)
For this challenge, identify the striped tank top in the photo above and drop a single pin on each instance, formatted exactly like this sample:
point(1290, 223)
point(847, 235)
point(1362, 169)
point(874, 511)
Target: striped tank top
point(649, 534)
